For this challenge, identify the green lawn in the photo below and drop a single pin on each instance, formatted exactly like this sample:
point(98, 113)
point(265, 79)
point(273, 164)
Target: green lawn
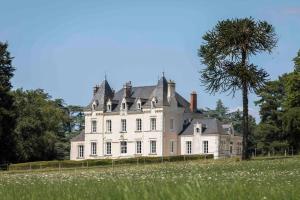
point(227, 179)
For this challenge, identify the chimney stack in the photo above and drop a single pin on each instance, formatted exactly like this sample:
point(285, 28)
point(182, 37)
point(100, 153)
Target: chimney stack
point(171, 89)
point(127, 89)
point(193, 103)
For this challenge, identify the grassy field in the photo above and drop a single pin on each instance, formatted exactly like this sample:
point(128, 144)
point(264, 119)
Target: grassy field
point(223, 179)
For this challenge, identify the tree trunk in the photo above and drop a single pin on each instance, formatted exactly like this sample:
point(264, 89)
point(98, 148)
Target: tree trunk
point(245, 155)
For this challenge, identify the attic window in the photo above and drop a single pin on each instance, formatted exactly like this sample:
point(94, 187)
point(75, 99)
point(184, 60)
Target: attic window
point(139, 106)
point(153, 103)
point(108, 107)
point(197, 130)
point(123, 106)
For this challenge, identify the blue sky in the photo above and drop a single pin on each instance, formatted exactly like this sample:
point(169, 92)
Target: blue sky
point(66, 47)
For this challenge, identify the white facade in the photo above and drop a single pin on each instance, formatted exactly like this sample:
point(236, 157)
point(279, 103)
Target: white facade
point(146, 121)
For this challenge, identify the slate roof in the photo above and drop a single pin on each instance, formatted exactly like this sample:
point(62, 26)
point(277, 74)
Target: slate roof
point(144, 93)
point(78, 138)
point(212, 126)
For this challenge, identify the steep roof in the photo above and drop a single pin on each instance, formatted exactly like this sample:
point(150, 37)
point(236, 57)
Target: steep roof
point(102, 94)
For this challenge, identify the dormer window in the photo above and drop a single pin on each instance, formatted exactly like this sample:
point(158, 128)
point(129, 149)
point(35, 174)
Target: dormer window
point(139, 104)
point(95, 104)
point(108, 107)
point(153, 102)
point(123, 106)
point(197, 130)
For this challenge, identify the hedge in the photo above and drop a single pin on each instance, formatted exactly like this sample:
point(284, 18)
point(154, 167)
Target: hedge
point(103, 162)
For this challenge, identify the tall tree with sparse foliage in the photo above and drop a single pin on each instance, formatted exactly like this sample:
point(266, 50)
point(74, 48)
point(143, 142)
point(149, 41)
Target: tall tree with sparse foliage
point(7, 122)
point(226, 53)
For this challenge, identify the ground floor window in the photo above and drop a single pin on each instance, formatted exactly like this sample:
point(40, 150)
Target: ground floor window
point(188, 146)
point(153, 146)
point(205, 146)
point(138, 147)
point(80, 151)
point(108, 148)
point(172, 147)
point(93, 148)
point(123, 147)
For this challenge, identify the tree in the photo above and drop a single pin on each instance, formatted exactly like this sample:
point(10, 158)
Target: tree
point(226, 52)
point(297, 62)
point(7, 122)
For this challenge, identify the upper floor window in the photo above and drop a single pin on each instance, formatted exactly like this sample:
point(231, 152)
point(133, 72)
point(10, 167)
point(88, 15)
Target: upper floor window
point(153, 102)
point(139, 106)
point(153, 124)
point(139, 124)
point(172, 147)
point(108, 107)
point(94, 126)
point(197, 130)
point(123, 125)
point(171, 124)
point(93, 148)
point(108, 126)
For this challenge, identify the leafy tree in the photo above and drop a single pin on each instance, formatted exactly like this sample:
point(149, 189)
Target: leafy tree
point(291, 125)
point(40, 126)
point(226, 52)
point(7, 122)
point(297, 62)
point(221, 110)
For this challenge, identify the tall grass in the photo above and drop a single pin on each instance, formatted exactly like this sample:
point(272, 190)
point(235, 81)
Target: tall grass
point(269, 179)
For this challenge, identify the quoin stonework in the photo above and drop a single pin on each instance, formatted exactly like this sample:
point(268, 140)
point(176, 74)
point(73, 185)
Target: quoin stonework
point(150, 121)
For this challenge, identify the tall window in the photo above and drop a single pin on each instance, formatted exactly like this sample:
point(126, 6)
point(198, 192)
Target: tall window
point(188, 147)
point(153, 124)
point(80, 151)
point(205, 146)
point(138, 147)
point(108, 107)
point(108, 148)
point(153, 146)
point(139, 106)
point(171, 124)
point(94, 126)
point(139, 124)
point(108, 126)
point(123, 147)
point(93, 148)
point(123, 124)
point(172, 147)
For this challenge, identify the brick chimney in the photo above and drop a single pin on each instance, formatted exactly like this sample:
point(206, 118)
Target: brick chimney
point(127, 89)
point(193, 103)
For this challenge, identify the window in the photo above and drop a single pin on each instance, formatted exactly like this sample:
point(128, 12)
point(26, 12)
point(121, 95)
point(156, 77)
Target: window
point(230, 150)
point(108, 126)
point(172, 147)
point(171, 124)
point(94, 126)
point(93, 148)
point(205, 146)
point(108, 107)
point(139, 124)
point(139, 106)
point(138, 147)
point(123, 106)
point(153, 124)
point(123, 147)
point(108, 148)
point(123, 124)
point(152, 104)
point(188, 147)
point(80, 151)
point(153, 146)
point(197, 130)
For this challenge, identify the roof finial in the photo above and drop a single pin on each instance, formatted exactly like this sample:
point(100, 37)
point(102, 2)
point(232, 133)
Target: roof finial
point(105, 76)
point(163, 74)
